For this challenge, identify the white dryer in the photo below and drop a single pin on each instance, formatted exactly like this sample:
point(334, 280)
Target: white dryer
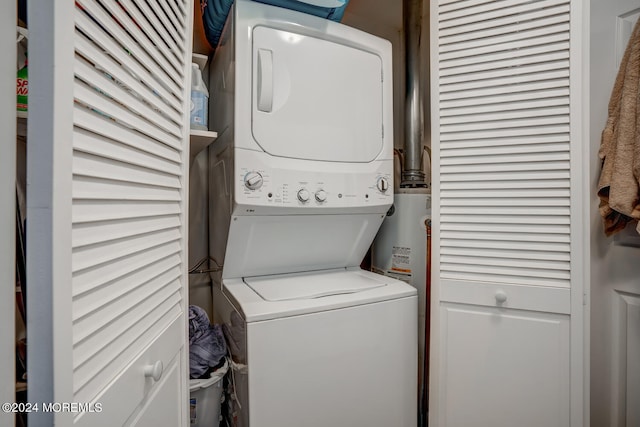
point(300, 181)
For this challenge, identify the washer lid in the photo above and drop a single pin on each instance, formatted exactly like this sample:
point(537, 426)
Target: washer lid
point(310, 285)
point(255, 308)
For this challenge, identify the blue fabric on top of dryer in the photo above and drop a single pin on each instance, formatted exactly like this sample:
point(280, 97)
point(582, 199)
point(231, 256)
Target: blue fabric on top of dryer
point(207, 346)
point(331, 13)
point(215, 12)
point(214, 15)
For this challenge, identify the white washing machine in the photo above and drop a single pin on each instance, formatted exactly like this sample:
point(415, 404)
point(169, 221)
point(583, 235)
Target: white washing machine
point(301, 177)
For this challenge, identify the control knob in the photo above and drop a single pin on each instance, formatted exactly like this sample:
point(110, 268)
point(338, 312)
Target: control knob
point(303, 195)
point(321, 196)
point(383, 184)
point(253, 180)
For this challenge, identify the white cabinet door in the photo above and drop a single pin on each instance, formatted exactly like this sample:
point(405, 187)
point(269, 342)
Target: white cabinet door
point(107, 152)
point(508, 235)
point(504, 356)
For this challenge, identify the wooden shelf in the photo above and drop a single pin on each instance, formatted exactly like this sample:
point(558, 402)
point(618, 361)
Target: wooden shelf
point(199, 59)
point(200, 139)
point(21, 386)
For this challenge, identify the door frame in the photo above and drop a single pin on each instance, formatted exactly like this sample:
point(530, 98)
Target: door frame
point(7, 207)
point(580, 218)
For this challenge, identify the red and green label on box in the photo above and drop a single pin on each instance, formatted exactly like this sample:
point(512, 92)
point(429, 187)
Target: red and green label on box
point(22, 89)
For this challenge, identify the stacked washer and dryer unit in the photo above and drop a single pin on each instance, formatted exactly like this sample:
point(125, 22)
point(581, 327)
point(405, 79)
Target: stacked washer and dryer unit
point(301, 177)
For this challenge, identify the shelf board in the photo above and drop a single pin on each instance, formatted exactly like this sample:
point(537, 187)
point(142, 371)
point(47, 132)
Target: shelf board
point(21, 386)
point(200, 139)
point(200, 59)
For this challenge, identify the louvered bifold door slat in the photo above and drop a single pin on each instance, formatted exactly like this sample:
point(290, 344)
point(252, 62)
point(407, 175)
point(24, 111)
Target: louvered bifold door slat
point(128, 185)
point(504, 150)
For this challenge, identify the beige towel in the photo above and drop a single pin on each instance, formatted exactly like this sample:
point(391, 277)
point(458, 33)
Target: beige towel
point(619, 185)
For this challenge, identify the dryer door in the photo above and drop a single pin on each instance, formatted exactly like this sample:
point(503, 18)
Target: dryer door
point(315, 99)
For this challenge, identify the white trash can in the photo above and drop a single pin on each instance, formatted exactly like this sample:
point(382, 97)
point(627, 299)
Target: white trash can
point(206, 396)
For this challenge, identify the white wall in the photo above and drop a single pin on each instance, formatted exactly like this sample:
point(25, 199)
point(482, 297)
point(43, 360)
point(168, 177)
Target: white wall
point(7, 207)
point(614, 268)
point(199, 284)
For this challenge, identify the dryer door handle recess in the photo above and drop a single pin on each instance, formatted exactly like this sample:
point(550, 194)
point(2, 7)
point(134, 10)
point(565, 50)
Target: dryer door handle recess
point(265, 80)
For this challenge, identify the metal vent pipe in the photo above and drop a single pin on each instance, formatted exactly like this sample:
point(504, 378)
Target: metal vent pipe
point(412, 174)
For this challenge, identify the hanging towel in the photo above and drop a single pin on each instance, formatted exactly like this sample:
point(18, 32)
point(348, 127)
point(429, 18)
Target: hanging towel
point(619, 185)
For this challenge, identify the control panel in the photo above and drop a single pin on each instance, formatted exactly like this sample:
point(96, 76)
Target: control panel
point(340, 186)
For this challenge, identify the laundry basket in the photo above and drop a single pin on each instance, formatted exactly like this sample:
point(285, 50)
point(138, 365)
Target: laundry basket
point(205, 398)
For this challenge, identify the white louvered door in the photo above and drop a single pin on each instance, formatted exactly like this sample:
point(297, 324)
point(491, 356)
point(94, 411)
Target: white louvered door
point(507, 270)
point(107, 204)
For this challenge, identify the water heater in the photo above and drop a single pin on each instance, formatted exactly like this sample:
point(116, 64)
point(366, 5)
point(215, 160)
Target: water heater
point(400, 248)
